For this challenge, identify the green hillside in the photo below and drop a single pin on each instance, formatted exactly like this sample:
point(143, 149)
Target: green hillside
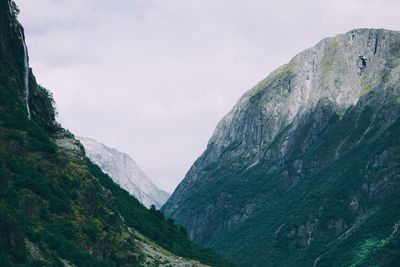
point(305, 169)
point(56, 207)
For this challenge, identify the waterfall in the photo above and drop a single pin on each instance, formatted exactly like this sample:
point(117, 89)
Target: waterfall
point(26, 74)
point(10, 8)
point(26, 60)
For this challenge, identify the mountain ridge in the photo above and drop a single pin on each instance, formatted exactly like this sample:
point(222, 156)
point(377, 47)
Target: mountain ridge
point(337, 100)
point(124, 171)
point(57, 208)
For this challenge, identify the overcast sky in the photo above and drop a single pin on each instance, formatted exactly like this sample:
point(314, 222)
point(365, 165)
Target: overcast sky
point(153, 77)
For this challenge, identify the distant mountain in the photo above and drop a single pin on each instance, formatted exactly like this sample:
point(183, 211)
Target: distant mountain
point(305, 170)
point(57, 208)
point(125, 172)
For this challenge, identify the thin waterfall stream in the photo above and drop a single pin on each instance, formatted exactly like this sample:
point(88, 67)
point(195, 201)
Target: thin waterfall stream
point(26, 63)
point(26, 74)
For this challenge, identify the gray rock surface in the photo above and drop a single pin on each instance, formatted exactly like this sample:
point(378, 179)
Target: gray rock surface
point(304, 161)
point(335, 74)
point(125, 172)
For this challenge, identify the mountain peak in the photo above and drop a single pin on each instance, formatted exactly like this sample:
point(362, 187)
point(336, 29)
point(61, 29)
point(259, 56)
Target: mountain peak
point(288, 171)
point(125, 172)
point(339, 69)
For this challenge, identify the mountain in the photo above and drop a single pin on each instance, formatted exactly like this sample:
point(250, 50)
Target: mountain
point(125, 172)
point(305, 169)
point(57, 208)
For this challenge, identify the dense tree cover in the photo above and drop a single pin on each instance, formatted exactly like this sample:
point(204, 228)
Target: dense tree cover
point(343, 210)
point(67, 207)
point(154, 225)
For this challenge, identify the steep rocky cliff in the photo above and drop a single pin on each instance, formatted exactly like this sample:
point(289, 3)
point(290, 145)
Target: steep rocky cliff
point(56, 207)
point(305, 170)
point(125, 172)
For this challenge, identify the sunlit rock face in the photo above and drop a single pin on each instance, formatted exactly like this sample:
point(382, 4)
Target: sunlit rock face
point(332, 106)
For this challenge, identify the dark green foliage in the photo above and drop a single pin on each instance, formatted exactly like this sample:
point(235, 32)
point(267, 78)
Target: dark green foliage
point(356, 156)
point(153, 224)
point(91, 230)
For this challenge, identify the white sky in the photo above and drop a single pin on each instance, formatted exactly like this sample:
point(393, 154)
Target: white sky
point(153, 77)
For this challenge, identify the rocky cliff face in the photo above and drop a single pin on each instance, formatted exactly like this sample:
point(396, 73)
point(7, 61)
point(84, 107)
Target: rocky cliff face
point(125, 172)
point(306, 158)
point(15, 73)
